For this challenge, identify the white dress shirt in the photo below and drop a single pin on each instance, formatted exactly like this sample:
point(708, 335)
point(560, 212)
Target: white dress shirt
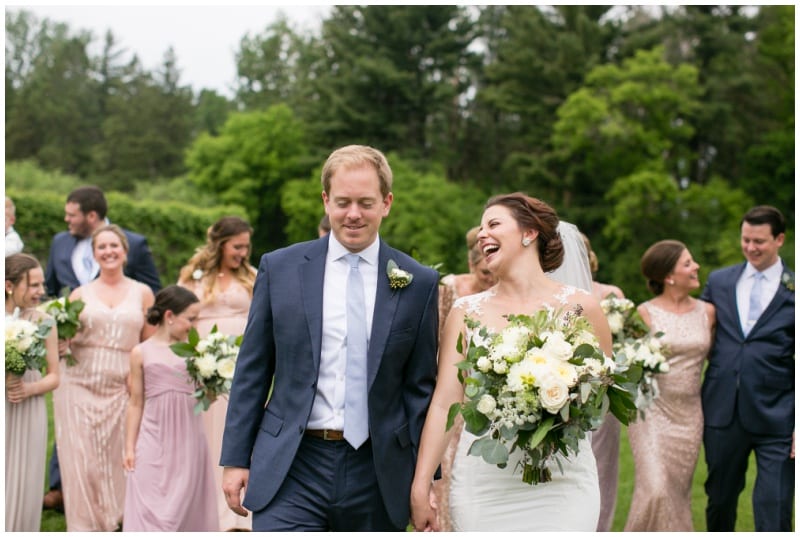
point(13, 242)
point(769, 286)
point(327, 411)
point(85, 271)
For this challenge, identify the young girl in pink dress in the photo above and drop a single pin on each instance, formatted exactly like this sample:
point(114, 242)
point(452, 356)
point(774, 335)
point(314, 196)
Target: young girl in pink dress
point(170, 482)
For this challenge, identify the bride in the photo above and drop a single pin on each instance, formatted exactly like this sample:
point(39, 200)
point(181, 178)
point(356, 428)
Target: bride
point(521, 240)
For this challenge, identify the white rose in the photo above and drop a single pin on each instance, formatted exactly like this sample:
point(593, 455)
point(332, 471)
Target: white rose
point(500, 367)
point(553, 394)
point(202, 346)
point(486, 404)
point(225, 368)
point(664, 367)
point(567, 373)
point(197, 274)
point(584, 336)
point(206, 365)
point(557, 347)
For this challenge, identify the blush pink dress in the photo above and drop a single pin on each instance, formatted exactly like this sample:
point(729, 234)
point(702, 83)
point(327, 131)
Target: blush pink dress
point(227, 310)
point(90, 404)
point(172, 485)
point(666, 444)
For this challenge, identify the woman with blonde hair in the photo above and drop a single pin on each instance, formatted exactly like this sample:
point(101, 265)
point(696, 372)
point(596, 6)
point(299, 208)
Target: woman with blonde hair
point(221, 276)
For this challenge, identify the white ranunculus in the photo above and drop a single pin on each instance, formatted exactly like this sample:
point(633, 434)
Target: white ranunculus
point(225, 368)
point(486, 404)
point(500, 367)
point(197, 274)
point(484, 364)
point(202, 346)
point(553, 394)
point(567, 372)
point(585, 336)
point(664, 367)
point(206, 365)
point(615, 322)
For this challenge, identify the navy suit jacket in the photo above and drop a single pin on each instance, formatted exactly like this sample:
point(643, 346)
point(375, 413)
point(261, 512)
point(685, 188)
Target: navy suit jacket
point(59, 273)
point(282, 342)
point(753, 375)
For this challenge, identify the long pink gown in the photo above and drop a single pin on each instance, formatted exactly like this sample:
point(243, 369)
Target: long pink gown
point(172, 485)
point(90, 404)
point(666, 444)
point(228, 311)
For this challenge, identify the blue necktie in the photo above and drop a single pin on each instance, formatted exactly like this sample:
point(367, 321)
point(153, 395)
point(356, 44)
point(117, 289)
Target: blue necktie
point(356, 418)
point(755, 302)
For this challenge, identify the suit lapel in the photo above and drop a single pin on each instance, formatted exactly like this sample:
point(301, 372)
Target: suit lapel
point(781, 296)
point(730, 296)
point(386, 301)
point(312, 276)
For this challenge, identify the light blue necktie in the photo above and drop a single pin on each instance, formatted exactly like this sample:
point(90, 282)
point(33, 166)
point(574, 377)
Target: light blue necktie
point(755, 302)
point(356, 418)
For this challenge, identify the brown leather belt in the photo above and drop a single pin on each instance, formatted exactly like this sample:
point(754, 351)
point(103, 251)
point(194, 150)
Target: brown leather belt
point(325, 434)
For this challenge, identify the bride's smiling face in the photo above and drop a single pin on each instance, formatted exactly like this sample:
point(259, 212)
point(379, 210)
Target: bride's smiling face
point(500, 235)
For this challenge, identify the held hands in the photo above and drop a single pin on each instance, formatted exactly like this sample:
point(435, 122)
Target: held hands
point(16, 389)
point(234, 483)
point(63, 347)
point(424, 508)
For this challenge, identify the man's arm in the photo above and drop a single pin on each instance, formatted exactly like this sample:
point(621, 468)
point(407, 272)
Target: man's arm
point(142, 266)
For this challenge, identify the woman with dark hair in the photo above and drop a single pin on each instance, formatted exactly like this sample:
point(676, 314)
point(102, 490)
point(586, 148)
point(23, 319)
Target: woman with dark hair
point(520, 238)
point(666, 444)
point(26, 413)
point(90, 403)
point(170, 479)
point(221, 276)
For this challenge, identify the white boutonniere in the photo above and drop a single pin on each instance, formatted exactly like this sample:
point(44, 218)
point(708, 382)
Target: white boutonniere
point(197, 274)
point(788, 281)
point(398, 278)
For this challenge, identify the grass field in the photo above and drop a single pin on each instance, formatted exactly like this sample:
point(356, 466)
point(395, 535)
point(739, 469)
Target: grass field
point(53, 521)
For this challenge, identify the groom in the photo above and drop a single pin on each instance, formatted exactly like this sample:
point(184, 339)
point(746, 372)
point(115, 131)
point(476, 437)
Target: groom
point(351, 356)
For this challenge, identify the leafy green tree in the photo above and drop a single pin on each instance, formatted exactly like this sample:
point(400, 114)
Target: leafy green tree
point(211, 111)
point(248, 164)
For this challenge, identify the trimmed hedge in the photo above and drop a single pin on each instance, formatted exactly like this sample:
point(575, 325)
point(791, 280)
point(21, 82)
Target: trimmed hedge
point(173, 229)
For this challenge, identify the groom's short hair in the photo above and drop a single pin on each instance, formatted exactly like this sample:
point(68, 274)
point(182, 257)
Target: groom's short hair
point(356, 156)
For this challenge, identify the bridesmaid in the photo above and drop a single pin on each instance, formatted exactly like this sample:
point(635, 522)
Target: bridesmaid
point(666, 444)
point(90, 404)
point(170, 476)
point(452, 287)
point(221, 276)
point(605, 440)
point(26, 413)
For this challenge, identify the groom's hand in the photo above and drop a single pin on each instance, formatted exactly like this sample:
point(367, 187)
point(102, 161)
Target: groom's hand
point(234, 483)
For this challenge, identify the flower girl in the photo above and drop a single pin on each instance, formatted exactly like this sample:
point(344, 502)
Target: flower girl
point(170, 484)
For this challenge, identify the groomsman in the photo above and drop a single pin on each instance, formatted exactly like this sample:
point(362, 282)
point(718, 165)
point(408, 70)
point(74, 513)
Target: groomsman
point(748, 389)
point(71, 264)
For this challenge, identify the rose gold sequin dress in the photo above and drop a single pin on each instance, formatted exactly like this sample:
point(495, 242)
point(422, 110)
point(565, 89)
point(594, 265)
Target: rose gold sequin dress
point(90, 405)
point(666, 444)
point(228, 310)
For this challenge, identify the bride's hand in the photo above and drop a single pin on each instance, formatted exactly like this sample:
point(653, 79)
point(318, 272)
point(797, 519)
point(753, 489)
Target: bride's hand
point(423, 509)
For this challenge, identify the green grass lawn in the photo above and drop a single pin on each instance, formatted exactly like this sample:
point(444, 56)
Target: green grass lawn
point(54, 521)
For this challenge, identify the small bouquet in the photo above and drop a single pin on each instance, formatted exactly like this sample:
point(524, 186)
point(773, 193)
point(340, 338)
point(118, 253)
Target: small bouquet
point(210, 362)
point(637, 351)
point(538, 386)
point(25, 344)
point(66, 312)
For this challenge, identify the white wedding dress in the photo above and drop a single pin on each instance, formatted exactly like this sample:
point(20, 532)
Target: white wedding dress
point(484, 497)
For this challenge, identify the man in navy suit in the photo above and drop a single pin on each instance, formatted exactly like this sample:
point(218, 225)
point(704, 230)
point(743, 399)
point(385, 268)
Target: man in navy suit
point(748, 389)
point(292, 455)
point(72, 264)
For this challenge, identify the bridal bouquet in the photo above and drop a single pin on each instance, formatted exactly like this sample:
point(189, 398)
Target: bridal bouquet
point(537, 386)
point(25, 344)
point(210, 362)
point(636, 350)
point(66, 312)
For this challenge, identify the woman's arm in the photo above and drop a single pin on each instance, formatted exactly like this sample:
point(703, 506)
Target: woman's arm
point(434, 435)
point(133, 416)
point(148, 299)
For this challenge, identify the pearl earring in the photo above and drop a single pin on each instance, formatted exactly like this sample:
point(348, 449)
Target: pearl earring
point(671, 282)
point(526, 241)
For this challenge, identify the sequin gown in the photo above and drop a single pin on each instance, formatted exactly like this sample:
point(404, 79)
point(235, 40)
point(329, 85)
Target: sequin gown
point(484, 497)
point(171, 487)
point(666, 444)
point(26, 454)
point(228, 310)
point(90, 405)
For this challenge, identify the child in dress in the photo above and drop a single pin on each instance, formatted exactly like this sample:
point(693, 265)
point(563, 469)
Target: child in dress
point(170, 482)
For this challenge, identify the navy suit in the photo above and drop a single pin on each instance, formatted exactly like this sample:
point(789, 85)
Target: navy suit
point(748, 404)
point(59, 273)
point(282, 342)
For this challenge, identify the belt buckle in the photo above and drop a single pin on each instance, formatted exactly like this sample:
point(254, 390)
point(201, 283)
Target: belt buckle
point(325, 434)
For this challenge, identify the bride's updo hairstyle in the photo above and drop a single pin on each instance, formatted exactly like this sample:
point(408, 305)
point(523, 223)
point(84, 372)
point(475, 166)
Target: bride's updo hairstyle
point(172, 298)
point(659, 261)
point(532, 213)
